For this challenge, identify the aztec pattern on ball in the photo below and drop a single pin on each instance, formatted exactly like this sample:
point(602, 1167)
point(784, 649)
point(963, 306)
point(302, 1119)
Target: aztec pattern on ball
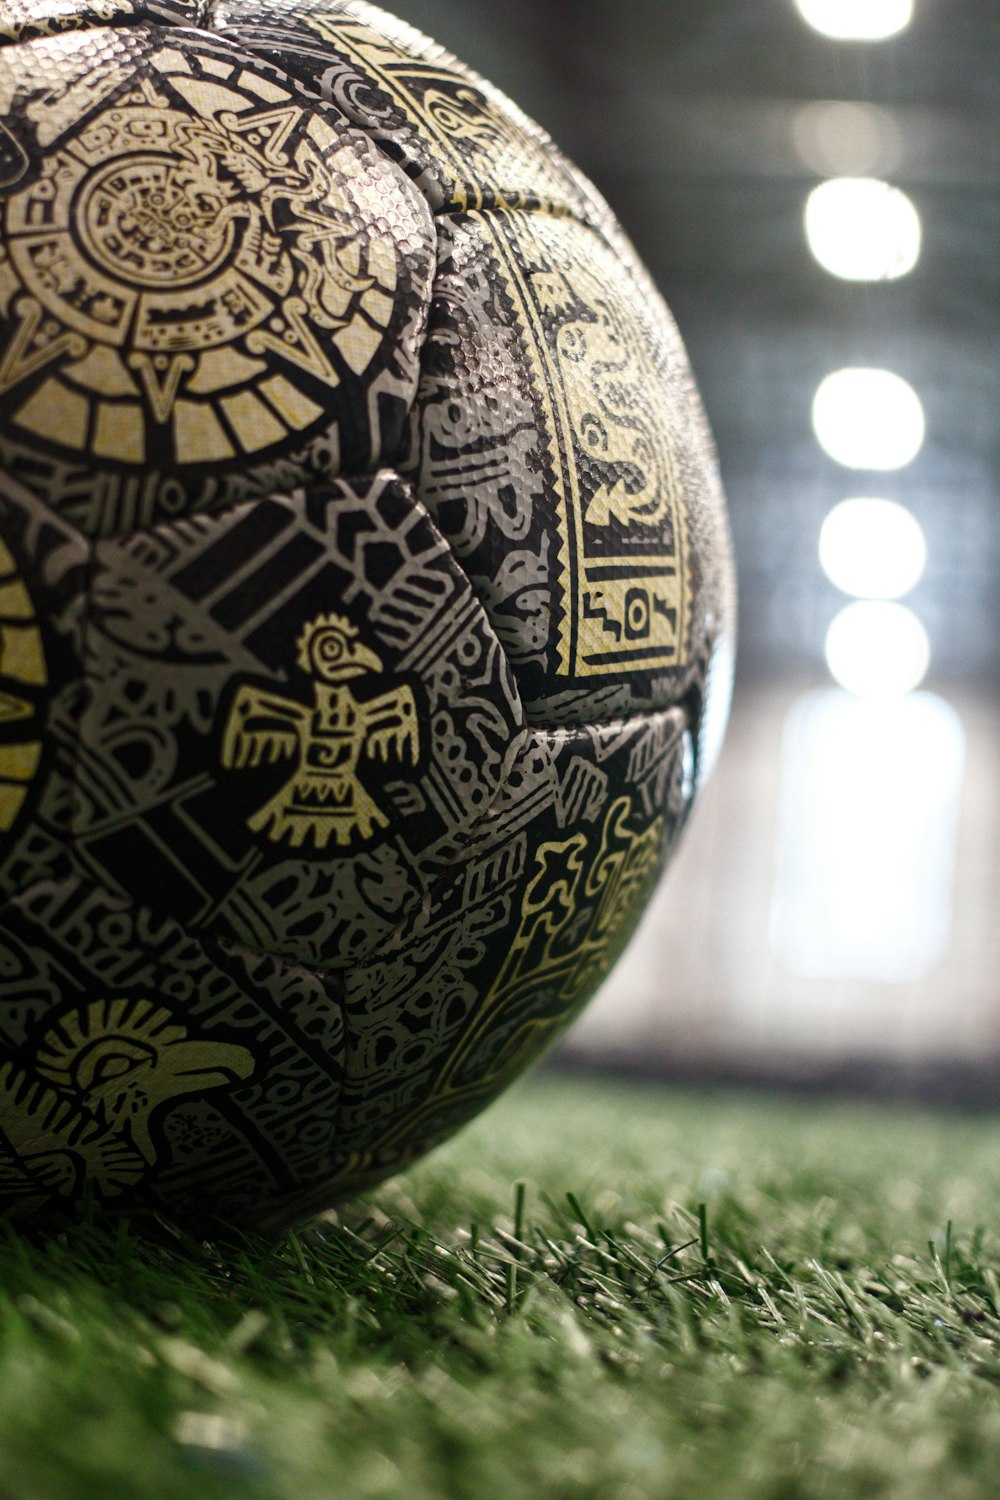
point(365, 600)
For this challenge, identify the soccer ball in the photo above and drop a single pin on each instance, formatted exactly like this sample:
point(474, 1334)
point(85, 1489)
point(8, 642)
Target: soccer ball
point(365, 601)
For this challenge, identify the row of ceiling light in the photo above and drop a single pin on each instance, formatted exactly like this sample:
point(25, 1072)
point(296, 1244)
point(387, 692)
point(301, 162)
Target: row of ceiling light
point(861, 228)
point(872, 777)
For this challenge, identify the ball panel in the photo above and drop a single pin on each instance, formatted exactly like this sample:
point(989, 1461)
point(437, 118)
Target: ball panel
point(210, 287)
point(559, 445)
point(524, 923)
point(161, 1070)
point(43, 571)
point(291, 706)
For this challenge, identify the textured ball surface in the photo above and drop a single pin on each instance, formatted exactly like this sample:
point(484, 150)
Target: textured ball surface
point(365, 600)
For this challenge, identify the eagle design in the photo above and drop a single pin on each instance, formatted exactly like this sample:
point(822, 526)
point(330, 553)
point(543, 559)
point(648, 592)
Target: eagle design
point(324, 800)
point(79, 1109)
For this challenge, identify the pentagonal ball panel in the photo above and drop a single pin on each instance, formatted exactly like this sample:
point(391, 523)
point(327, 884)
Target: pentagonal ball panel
point(560, 445)
point(291, 706)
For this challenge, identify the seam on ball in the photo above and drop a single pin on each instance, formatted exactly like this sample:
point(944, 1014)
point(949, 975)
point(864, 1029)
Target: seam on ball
point(205, 940)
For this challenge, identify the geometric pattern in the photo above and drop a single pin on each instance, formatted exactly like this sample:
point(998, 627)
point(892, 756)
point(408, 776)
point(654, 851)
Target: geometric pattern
point(365, 601)
point(204, 272)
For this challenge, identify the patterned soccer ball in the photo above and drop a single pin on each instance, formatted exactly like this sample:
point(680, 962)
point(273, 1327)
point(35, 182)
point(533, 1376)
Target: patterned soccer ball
point(365, 600)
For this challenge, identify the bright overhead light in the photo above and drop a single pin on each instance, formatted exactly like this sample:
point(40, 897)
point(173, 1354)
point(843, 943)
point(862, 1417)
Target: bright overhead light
point(877, 650)
point(844, 138)
point(874, 549)
point(858, 20)
point(868, 419)
point(861, 229)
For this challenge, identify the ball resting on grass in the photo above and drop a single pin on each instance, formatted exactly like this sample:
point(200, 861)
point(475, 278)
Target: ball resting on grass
point(365, 601)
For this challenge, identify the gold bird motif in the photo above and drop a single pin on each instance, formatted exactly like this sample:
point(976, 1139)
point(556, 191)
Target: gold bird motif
point(324, 800)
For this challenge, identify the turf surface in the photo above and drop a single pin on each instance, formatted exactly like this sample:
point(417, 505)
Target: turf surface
point(708, 1298)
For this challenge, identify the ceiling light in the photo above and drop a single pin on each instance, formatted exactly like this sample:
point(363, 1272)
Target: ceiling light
point(868, 419)
point(862, 229)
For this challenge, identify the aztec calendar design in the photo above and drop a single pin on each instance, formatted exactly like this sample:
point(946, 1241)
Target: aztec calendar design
point(366, 604)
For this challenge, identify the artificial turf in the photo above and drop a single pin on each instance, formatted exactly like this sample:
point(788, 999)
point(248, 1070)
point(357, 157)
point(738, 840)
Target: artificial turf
point(691, 1296)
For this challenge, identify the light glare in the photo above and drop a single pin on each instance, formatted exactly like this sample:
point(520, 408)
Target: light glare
point(868, 419)
point(857, 20)
point(861, 229)
point(874, 549)
point(877, 650)
point(870, 799)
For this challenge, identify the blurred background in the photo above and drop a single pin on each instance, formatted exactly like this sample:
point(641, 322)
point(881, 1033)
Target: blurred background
point(815, 185)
